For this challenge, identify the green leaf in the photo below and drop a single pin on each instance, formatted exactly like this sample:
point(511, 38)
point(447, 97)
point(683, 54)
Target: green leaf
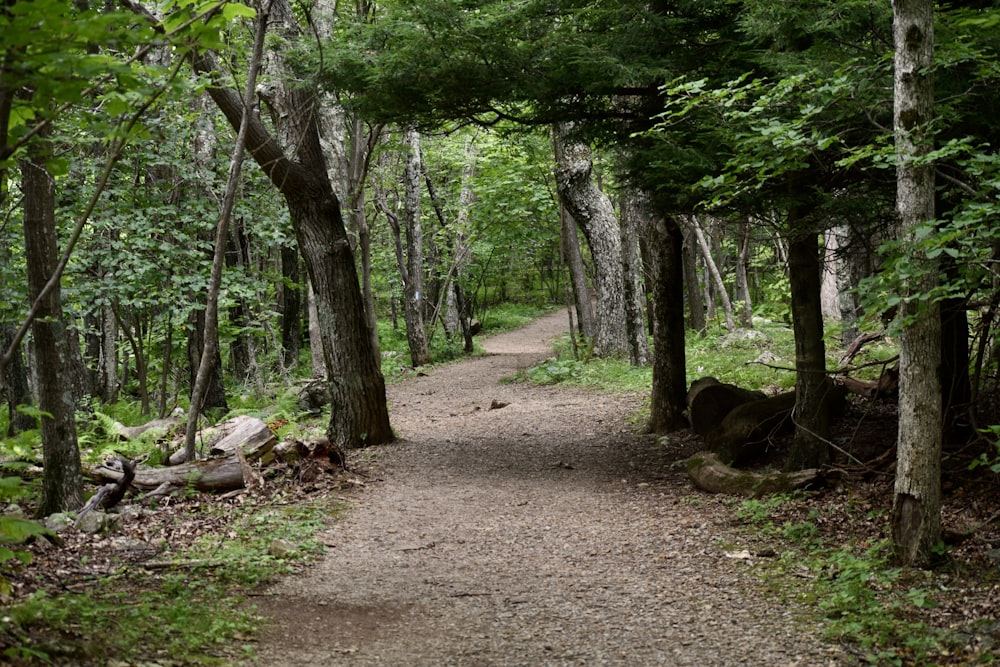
point(57, 166)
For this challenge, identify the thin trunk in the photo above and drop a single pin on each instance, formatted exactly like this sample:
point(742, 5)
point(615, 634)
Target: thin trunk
point(696, 304)
point(362, 146)
point(290, 299)
point(916, 520)
point(669, 395)
point(413, 279)
point(317, 360)
point(811, 414)
point(742, 282)
point(240, 347)
point(15, 385)
point(210, 348)
point(713, 271)
point(635, 213)
point(577, 274)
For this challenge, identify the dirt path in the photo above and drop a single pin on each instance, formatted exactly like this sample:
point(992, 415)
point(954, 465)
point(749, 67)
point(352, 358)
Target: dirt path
point(542, 533)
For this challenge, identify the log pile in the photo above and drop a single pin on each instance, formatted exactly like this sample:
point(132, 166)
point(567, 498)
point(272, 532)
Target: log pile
point(232, 446)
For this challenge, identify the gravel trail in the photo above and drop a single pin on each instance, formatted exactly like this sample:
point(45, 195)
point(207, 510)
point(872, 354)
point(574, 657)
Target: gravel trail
point(543, 532)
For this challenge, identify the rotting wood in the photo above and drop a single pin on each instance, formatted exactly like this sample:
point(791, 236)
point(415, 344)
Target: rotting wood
point(708, 473)
point(222, 474)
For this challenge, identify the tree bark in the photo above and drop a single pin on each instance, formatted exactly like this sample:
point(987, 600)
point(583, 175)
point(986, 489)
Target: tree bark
point(413, 276)
point(745, 313)
point(696, 304)
point(361, 147)
point(15, 385)
point(62, 482)
point(635, 212)
point(359, 416)
point(577, 274)
point(593, 211)
point(713, 270)
point(811, 414)
point(669, 394)
point(213, 397)
point(916, 517)
point(291, 307)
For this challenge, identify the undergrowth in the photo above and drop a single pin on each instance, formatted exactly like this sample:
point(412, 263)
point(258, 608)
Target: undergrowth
point(189, 606)
point(865, 603)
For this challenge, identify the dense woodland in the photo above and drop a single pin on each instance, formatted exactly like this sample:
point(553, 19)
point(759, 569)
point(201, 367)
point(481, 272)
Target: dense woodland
point(205, 200)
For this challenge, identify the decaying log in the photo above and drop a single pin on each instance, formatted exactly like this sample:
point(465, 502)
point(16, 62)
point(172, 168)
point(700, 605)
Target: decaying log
point(223, 474)
point(709, 401)
point(167, 424)
point(708, 473)
point(250, 434)
point(886, 385)
point(746, 430)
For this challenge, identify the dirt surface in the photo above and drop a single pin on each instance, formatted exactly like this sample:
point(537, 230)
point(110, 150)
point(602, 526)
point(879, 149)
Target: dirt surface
point(542, 532)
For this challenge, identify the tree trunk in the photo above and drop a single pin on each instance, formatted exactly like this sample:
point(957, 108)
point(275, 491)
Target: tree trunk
point(696, 304)
point(214, 396)
point(413, 276)
point(290, 299)
point(635, 213)
point(15, 385)
point(669, 395)
point(745, 313)
point(713, 271)
point(359, 416)
point(811, 413)
point(240, 347)
point(593, 211)
point(62, 483)
point(316, 359)
point(577, 274)
point(916, 518)
point(361, 147)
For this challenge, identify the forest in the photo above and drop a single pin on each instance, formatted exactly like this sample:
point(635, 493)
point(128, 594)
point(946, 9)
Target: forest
point(214, 209)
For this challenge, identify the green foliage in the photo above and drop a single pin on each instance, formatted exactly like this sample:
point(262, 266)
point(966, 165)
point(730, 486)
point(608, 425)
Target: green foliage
point(863, 600)
point(555, 371)
point(991, 459)
point(14, 530)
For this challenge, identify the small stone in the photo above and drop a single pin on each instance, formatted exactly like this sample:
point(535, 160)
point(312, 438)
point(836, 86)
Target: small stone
point(282, 549)
point(98, 522)
point(57, 522)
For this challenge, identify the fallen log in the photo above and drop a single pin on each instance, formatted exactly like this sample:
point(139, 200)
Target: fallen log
point(708, 473)
point(709, 401)
point(887, 384)
point(244, 432)
point(167, 424)
point(223, 474)
point(747, 429)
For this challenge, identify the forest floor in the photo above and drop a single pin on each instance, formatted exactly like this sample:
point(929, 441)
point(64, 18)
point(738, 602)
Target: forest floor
point(514, 524)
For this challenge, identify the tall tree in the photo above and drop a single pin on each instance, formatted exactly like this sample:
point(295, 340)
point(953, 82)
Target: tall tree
point(359, 416)
point(412, 266)
point(62, 484)
point(916, 514)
